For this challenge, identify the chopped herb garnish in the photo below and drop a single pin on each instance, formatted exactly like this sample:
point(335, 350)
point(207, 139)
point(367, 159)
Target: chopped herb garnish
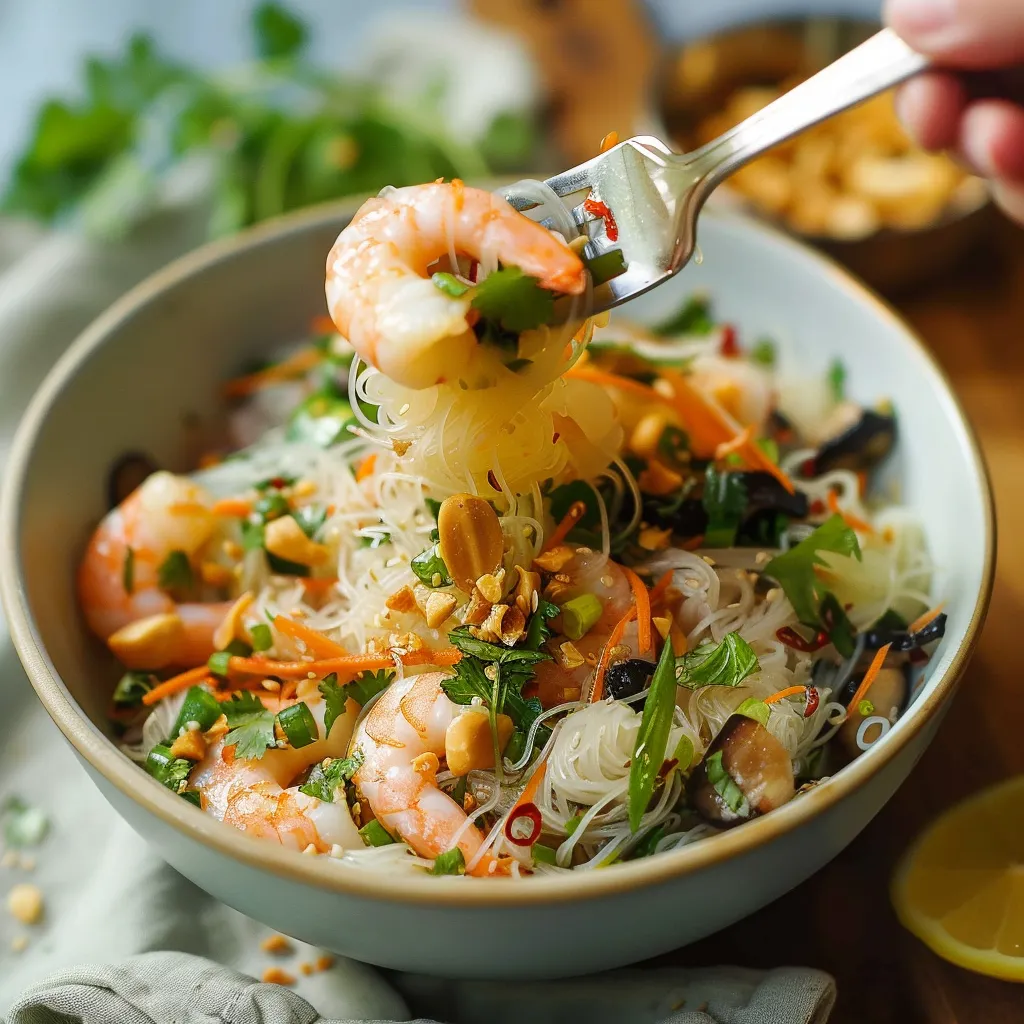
point(451, 862)
point(537, 629)
point(755, 709)
point(193, 796)
point(513, 301)
point(726, 663)
point(132, 687)
point(128, 571)
point(251, 724)
point(175, 572)
point(449, 284)
point(542, 854)
point(199, 706)
point(572, 824)
point(725, 786)
point(375, 834)
point(334, 698)
point(606, 266)
point(23, 824)
point(763, 352)
point(463, 639)
point(693, 318)
point(322, 418)
point(310, 518)
point(272, 505)
point(837, 625)
point(647, 846)
point(580, 615)
point(725, 501)
point(837, 380)
point(673, 444)
point(278, 33)
point(794, 570)
point(219, 662)
point(262, 638)
point(562, 498)
point(169, 771)
point(652, 737)
point(326, 779)
point(368, 684)
point(430, 569)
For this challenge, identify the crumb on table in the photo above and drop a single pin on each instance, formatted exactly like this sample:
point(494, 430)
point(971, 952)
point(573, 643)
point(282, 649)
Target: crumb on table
point(276, 944)
point(25, 902)
point(275, 976)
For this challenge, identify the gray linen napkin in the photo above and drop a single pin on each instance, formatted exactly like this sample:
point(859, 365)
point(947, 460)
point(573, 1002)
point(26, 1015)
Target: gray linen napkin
point(108, 896)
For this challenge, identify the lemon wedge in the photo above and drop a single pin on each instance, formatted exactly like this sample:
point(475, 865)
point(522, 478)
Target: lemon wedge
point(960, 887)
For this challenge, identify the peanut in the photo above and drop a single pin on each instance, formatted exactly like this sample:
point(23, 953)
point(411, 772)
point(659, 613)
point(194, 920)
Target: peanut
point(658, 479)
point(286, 539)
point(470, 539)
point(652, 538)
point(191, 745)
point(402, 600)
point(468, 744)
point(491, 584)
point(513, 625)
point(152, 642)
point(647, 433)
point(438, 608)
point(231, 626)
point(556, 559)
point(477, 610)
point(569, 655)
point(526, 589)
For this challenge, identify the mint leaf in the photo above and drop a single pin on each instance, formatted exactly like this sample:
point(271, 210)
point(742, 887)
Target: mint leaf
point(513, 300)
point(430, 569)
point(726, 663)
point(251, 725)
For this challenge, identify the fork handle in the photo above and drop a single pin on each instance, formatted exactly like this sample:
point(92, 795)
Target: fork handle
point(878, 64)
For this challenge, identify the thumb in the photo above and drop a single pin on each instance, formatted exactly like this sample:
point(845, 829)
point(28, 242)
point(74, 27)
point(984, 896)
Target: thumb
point(974, 34)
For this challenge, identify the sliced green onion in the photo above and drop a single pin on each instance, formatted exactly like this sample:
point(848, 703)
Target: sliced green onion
point(580, 615)
point(128, 571)
point(375, 834)
point(192, 796)
point(168, 770)
point(239, 648)
point(606, 266)
point(449, 284)
point(542, 854)
point(200, 706)
point(262, 638)
point(451, 862)
point(218, 662)
point(298, 724)
point(175, 572)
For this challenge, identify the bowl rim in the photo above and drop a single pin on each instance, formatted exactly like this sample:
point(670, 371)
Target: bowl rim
point(102, 755)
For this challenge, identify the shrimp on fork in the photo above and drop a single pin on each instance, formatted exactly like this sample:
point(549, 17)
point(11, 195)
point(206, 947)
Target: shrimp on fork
point(379, 293)
point(402, 738)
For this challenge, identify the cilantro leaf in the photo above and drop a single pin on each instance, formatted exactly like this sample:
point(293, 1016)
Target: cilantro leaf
point(23, 824)
point(726, 663)
point(175, 572)
point(450, 862)
point(693, 318)
point(463, 639)
point(251, 725)
point(334, 698)
point(514, 301)
point(324, 781)
point(725, 501)
point(794, 570)
point(468, 682)
point(368, 684)
point(169, 771)
point(278, 33)
point(132, 687)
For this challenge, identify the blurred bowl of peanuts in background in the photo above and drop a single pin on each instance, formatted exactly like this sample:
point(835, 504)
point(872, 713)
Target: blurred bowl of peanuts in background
point(855, 186)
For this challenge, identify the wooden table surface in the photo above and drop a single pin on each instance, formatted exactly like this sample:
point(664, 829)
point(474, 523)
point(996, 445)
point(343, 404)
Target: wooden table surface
point(841, 920)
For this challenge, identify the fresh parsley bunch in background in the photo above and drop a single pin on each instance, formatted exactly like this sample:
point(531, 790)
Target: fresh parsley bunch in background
point(269, 137)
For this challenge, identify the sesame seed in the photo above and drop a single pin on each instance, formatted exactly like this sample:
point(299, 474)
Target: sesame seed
point(404, 409)
point(311, 849)
point(271, 684)
point(607, 580)
point(692, 581)
point(311, 675)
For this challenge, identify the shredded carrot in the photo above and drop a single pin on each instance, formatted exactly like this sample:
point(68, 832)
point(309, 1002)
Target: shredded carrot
point(929, 616)
point(232, 508)
point(318, 644)
point(643, 609)
point(609, 141)
point(852, 521)
point(789, 691)
point(297, 365)
point(318, 584)
point(869, 677)
point(693, 543)
point(606, 654)
point(577, 510)
point(366, 466)
point(737, 444)
point(348, 664)
point(530, 792)
point(287, 690)
point(176, 684)
point(322, 325)
point(659, 588)
point(613, 380)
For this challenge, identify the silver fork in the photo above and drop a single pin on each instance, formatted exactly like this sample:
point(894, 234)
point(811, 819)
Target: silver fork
point(655, 195)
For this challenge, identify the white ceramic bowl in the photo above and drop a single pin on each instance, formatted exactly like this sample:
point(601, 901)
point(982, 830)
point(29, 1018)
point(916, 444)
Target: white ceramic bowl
point(146, 377)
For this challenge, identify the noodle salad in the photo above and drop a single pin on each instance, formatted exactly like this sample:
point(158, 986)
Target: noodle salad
point(484, 586)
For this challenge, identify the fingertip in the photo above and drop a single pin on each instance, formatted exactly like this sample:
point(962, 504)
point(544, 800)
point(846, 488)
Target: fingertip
point(1010, 198)
point(930, 107)
point(992, 139)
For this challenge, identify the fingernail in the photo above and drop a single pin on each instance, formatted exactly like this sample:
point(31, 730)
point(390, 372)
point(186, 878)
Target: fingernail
point(916, 18)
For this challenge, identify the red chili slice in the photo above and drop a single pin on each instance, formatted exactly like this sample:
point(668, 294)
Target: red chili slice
point(791, 638)
point(812, 702)
point(730, 348)
point(531, 812)
point(599, 209)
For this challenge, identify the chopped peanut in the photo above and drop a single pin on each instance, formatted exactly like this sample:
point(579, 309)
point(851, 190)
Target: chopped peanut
point(658, 479)
point(468, 743)
point(276, 944)
point(471, 542)
point(556, 559)
point(662, 624)
point(324, 963)
point(217, 730)
point(153, 642)
point(306, 968)
point(191, 745)
point(477, 610)
point(647, 433)
point(304, 489)
point(25, 902)
point(652, 538)
point(275, 976)
point(286, 539)
point(490, 585)
point(216, 575)
point(513, 625)
point(426, 763)
point(526, 589)
point(569, 655)
point(231, 627)
point(438, 608)
point(402, 600)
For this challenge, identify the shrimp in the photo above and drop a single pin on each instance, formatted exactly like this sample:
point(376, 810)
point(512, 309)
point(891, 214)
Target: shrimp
point(119, 575)
point(257, 796)
point(402, 737)
point(383, 302)
point(589, 573)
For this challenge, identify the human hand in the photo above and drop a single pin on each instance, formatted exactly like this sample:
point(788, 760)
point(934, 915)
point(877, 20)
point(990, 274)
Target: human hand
point(941, 110)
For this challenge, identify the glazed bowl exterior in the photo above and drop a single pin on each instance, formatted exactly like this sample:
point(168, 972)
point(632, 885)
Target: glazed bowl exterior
point(146, 378)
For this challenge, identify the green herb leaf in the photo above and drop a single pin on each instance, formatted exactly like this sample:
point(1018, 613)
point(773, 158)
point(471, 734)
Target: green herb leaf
point(322, 418)
point(262, 638)
point(605, 266)
point(334, 700)
point(450, 285)
point(725, 501)
point(837, 380)
point(251, 724)
point(572, 824)
point(375, 834)
point(652, 738)
point(725, 786)
point(755, 709)
point(468, 682)
point(794, 570)
point(325, 781)
point(537, 629)
point(132, 687)
point(673, 444)
point(311, 518)
point(542, 854)
point(726, 663)
point(693, 318)
point(278, 33)
point(513, 300)
point(683, 754)
point(763, 352)
point(128, 571)
point(837, 625)
point(23, 824)
point(430, 569)
point(169, 771)
point(646, 846)
point(451, 862)
point(463, 639)
point(368, 684)
point(562, 498)
point(175, 572)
